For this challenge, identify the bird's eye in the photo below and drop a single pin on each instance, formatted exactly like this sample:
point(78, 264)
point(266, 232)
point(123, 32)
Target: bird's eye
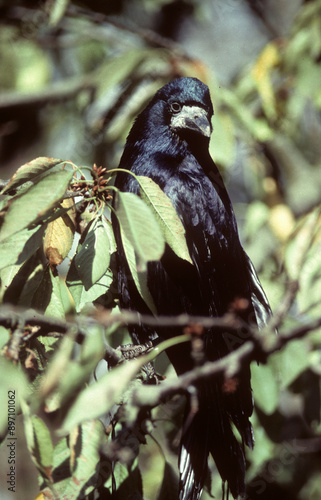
point(175, 107)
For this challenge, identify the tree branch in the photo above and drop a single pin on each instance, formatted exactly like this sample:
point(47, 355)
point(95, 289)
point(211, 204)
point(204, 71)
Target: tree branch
point(257, 345)
point(151, 396)
point(58, 91)
point(12, 317)
point(230, 365)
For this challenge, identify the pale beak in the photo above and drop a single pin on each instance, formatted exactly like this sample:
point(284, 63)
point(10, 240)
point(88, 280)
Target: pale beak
point(192, 118)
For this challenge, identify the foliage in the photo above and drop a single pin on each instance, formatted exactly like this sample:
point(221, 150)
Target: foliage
point(59, 320)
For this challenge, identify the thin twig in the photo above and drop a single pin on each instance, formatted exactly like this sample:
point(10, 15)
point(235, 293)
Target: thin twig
point(11, 317)
point(151, 37)
point(151, 396)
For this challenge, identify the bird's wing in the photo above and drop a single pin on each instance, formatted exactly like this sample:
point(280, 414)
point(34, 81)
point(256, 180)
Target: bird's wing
point(221, 273)
point(259, 299)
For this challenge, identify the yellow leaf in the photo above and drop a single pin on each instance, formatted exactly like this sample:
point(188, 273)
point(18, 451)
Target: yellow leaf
point(59, 235)
point(282, 221)
point(261, 73)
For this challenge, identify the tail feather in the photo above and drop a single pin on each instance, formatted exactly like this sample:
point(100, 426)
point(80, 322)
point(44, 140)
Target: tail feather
point(229, 458)
point(190, 484)
point(210, 431)
point(259, 300)
point(193, 456)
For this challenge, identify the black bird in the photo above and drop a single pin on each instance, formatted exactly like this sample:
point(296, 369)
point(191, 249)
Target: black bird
point(169, 143)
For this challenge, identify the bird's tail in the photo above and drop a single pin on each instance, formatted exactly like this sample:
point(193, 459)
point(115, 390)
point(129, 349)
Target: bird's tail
point(209, 431)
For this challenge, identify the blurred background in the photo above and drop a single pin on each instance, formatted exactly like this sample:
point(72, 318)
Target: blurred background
point(73, 76)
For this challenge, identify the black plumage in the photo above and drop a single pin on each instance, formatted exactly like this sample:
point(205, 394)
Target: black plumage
point(169, 143)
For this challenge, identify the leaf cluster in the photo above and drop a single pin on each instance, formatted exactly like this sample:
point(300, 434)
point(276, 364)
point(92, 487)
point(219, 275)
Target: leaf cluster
point(52, 214)
point(57, 252)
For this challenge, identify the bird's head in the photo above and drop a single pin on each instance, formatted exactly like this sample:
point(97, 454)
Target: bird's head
point(182, 110)
point(188, 108)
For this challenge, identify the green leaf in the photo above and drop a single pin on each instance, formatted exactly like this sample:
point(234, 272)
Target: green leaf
point(303, 253)
point(257, 127)
point(93, 258)
point(169, 487)
point(299, 245)
point(85, 443)
point(99, 397)
point(60, 473)
point(93, 348)
point(312, 486)
point(223, 145)
point(139, 276)
point(265, 387)
point(76, 467)
point(41, 289)
point(13, 387)
point(38, 441)
point(7, 275)
point(35, 203)
point(66, 376)
point(308, 297)
point(29, 171)
point(41, 448)
point(55, 307)
point(61, 453)
point(263, 450)
point(82, 296)
point(140, 227)
point(142, 240)
point(292, 360)
point(257, 216)
point(18, 248)
point(58, 366)
point(120, 474)
point(110, 234)
point(116, 70)
point(170, 224)
point(128, 481)
point(57, 12)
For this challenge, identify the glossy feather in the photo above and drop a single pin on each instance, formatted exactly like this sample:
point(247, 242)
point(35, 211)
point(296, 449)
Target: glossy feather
point(177, 159)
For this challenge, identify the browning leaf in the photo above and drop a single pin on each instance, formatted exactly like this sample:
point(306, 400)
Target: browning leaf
point(59, 236)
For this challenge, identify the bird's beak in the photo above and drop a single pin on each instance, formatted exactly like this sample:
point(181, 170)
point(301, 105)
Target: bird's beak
point(192, 118)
